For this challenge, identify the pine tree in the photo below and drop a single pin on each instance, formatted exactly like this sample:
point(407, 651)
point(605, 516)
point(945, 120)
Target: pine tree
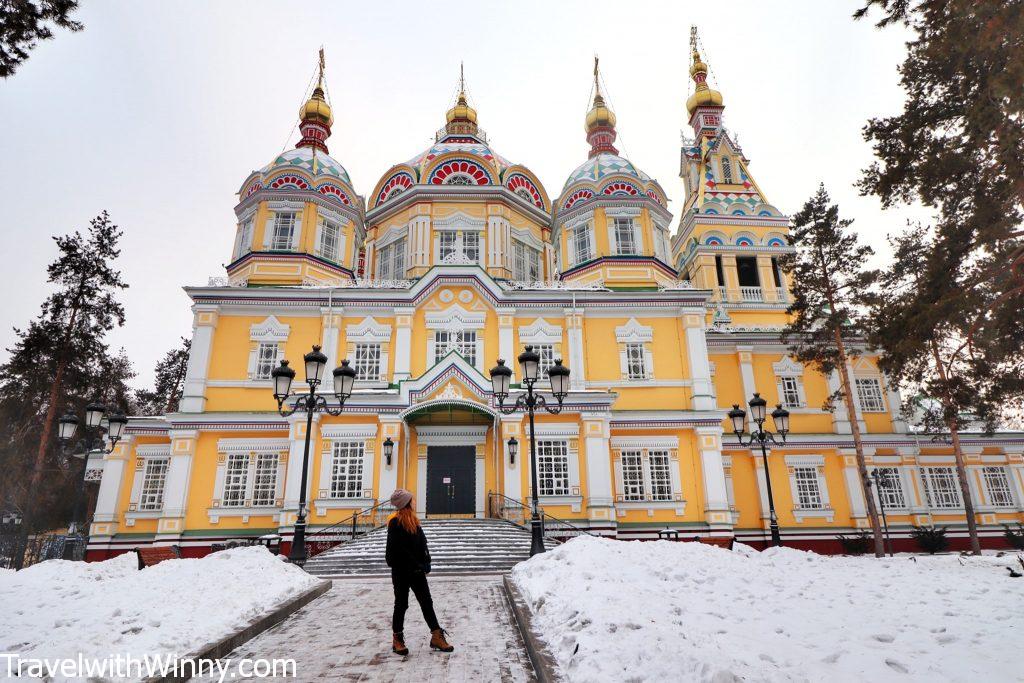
point(62, 354)
point(24, 23)
point(923, 319)
point(831, 287)
point(170, 381)
point(958, 147)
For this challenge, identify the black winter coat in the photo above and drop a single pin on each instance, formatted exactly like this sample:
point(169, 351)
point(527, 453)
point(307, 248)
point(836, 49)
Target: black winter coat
point(406, 552)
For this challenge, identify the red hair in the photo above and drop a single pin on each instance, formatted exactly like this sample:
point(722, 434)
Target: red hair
point(407, 518)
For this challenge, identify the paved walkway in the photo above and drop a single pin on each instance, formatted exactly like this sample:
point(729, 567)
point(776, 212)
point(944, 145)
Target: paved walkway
point(345, 635)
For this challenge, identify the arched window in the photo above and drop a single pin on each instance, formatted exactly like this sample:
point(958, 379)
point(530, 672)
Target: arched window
point(726, 170)
point(459, 179)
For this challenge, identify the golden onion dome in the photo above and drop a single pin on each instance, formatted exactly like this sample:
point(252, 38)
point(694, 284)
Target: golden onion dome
point(704, 95)
point(599, 115)
point(461, 111)
point(317, 109)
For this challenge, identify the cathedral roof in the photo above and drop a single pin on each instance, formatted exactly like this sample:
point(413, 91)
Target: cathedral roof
point(303, 158)
point(602, 165)
point(471, 145)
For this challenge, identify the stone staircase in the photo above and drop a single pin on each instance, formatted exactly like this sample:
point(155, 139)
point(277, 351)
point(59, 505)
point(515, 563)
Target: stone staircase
point(457, 546)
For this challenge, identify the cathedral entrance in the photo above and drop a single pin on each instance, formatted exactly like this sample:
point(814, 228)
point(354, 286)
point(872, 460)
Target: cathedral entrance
point(451, 480)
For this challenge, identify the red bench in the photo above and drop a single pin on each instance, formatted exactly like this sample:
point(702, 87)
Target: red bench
point(157, 554)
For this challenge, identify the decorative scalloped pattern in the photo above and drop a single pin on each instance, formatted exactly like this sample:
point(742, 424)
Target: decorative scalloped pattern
point(396, 184)
point(289, 181)
point(619, 187)
point(524, 187)
point(255, 187)
point(654, 195)
point(577, 196)
point(463, 167)
point(335, 191)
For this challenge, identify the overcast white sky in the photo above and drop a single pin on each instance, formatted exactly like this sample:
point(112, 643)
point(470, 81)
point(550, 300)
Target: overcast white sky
point(158, 111)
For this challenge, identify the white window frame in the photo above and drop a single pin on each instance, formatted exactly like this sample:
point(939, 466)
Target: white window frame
point(452, 245)
point(269, 227)
point(280, 240)
point(265, 479)
point(347, 469)
point(455, 318)
point(806, 463)
point(366, 361)
point(557, 480)
point(234, 492)
point(154, 483)
point(463, 342)
point(391, 263)
point(788, 370)
point(526, 265)
point(325, 247)
point(369, 331)
point(268, 354)
point(636, 361)
point(266, 334)
point(265, 460)
point(629, 337)
point(807, 485)
point(625, 241)
point(246, 229)
point(893, 496)
point(581, 235)
point(946, 497)
point(998, 490)
point(870, 396)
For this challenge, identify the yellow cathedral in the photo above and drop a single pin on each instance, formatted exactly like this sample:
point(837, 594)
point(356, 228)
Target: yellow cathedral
point(460, 257)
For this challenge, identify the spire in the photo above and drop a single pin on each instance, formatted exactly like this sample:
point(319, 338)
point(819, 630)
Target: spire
point(461, 118)
point(703, 96)
point(600, 122)
point(315, 115)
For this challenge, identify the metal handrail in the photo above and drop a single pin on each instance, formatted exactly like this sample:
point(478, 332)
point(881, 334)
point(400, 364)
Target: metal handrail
point(360, 523)
point(559, 530)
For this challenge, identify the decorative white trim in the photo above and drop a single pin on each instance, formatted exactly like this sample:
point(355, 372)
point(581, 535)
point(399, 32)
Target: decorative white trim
point(459, 221)
point(788, 366)
point(633, 332)
point(805, 460)
point(391, 235)
point(156, 450)
point(526, 237)
point(368, 330)
point(470, 435)
point(229, 446)
point(622, 211)
point(552, 430)
point(540, 332)
point(269, 330)
point(455, 318)
point(348, 432)
point(652, 442)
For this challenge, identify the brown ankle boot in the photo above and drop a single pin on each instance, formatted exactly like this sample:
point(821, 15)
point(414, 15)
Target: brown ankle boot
point(398, 644)
point(437, 641)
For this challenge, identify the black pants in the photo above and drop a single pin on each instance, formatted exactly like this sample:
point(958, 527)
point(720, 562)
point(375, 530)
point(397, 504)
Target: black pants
point(417, 581)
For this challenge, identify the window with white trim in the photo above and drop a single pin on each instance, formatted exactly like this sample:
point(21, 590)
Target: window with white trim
point(347, 469)
point(525, 262)
point(458, 245)
point(330, 239)
point(267, 354)
point(366, 361)
point(462, 342)
point(941, 487)
point(236, 476)
point(646, 475)
point(790, 396)
point(997, 486)
point(391, 261)
point(155, 475)
point(808, 488)
point(636, 361)
point(264, 487)
point(284, 231)
point(625, 237)
point(547, 358)
point(245, 238)
point(726, 170)
point(890, 488)
point(471, 246)
point(579, 239)
point(553, 467)
point(869, 394)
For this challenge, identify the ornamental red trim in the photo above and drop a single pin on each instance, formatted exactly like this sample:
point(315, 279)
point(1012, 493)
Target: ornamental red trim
point(620, 188)
point(396, 184)
point(289, 180)
point(518, 181)
point(336, 191)
point(577, 196)
point(460, 167)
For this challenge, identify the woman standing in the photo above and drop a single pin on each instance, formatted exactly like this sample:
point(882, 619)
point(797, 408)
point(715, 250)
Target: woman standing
point(409, 559)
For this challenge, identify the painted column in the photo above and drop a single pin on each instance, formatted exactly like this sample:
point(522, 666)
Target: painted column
point(204, 323)
point(512, 426)
point(766, 276)
point(331, 323)
point(854, 488)
point(762, 491)
point(732, 278)
point(840, 418)
point(716, 495)
point(176, 486)
point(577, 364)
point(403, 344)
point(856, 400)
point(105, 516)
point(597, 448)
point(419, 244)
point(746, 359)
point(506, 340)
point(1015, 472)
point(697, 354)
point(899, 424)
point(297, 436)
point(390, 426)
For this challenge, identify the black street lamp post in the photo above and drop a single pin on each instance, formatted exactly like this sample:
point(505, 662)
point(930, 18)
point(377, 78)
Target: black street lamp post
point(529, 368)
point(282, 376)
point(758, 408)
point(91, 442)
point(881, 481)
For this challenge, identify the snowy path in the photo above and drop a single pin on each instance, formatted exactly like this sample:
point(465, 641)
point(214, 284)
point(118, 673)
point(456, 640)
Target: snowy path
point(346, 635)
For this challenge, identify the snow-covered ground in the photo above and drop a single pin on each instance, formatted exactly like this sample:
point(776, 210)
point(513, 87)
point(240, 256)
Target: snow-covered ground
point(657, 611)
point(60, 609)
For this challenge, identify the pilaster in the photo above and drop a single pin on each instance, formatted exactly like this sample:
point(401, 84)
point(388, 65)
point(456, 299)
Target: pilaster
point(854, 486)
point(512, 426)
point(204, 323)
point(390, 426)
point(766, 276)
point(697, 355)
point(732, 278)
point(745, 355)
point(506, 341)
point(840, 418)
point(596, 433)
point(577, 363)
point(331, 322)
point(176, 486)
point(716, 495)
point(403, 343)
point(105, 517)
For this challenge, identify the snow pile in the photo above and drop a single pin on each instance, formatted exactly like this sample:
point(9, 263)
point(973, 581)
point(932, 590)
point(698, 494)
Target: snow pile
point(58, 609)
point(656, 611)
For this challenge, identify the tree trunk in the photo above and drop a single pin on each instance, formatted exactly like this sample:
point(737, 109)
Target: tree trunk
point(958, 453)
point(858, 444)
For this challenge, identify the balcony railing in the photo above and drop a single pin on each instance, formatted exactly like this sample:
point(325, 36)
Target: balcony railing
point(722, 296)
point(751, 294)
point(780, 294)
